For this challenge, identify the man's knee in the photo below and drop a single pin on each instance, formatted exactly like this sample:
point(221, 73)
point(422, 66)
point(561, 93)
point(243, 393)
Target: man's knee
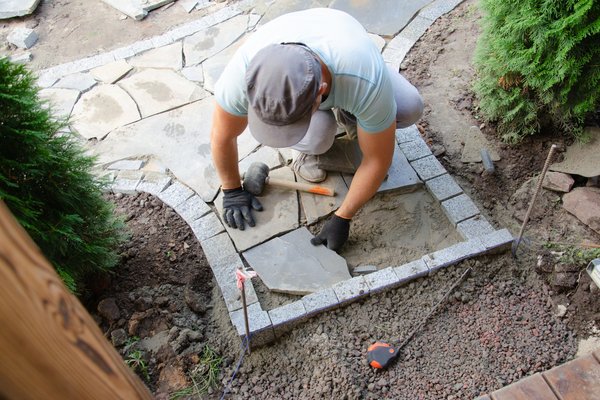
point(409, 110)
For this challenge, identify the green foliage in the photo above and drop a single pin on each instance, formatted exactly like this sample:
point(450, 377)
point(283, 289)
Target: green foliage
point(45, 181)
point(204, 376)
point(135, 360)
point(538, 63)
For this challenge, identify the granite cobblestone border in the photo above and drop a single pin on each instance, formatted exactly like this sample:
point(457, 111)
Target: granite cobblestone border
point(266, 326)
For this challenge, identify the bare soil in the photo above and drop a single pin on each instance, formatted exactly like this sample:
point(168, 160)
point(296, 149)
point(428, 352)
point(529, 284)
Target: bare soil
point(502, 324)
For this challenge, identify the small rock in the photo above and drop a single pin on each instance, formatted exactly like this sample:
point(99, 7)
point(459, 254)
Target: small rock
point(565, 280)
point(22, 37)
point(561, 311)
point(108, 309)
point(558, 182)
point(584, 203)
point(118, 337)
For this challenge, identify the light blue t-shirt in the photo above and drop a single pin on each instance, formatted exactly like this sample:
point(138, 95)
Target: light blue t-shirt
point(360, 81)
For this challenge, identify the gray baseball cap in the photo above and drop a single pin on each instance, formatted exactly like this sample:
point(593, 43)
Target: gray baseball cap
point(282, 82)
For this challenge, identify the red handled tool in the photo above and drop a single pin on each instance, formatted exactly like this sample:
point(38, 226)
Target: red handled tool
point(381, 354)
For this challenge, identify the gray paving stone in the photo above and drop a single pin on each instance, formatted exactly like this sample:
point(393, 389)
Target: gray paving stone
point(124, 52)
point(224, 260)
point(411, 271)
point(415, 149)
point(159, 90)
point(287, 317)
point(192, 209)
point(416, 28)
point(111, 72)
point(351, 289)
point(428, 168)
point(280, 214)
point(459, 208)
point(17, 8)
point(175, 194)
point(383, 17)
point(498, 241)
point(22, 37)
point(396, 50)
point(291, 264)
point(127, 181)
point(203, 44)
point(177, 140)
point(162, 40)
point(364, 269)
point(407, 134)
point(453, 254)
point(443, 187)
point(261, 329)
point(169, 56)
point(318, 206)
point(131, 165)
point(438, 8)
point(61, 101)
point(154, 182)
point(79, 81)
point(320, 301)
point(475, 227)
point(103, 109)
point(207, 226)
point(382, 280)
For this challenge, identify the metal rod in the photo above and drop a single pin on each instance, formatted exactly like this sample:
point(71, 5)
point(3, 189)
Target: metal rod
point(246, 317)
point(535, 195)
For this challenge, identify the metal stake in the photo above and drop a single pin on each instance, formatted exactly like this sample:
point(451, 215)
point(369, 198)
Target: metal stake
point(246, 317)
point(515, 244)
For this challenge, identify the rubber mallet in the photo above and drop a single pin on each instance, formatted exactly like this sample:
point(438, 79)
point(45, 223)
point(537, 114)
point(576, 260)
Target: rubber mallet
point(257, 177)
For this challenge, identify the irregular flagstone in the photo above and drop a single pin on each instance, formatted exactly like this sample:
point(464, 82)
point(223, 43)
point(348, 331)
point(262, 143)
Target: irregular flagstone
point(61, 100)
point(316, 206)
point(102, 109)
point(211, 41)
point(273, 9)
point(584, 203)
point(582, 159)
point(17, 8)
point(194, 73)
point(214, 66)
point(178, 138)
point(401, 176)
point(188, 5)
point(170, 56)
point(246, 144)
point(112, 72)
point(280, 214)
point(157, 90)
point(474, 142)
point(264, 154)
point(136, 9)
point(383, 17)
point(291, 264)
point(79, 81)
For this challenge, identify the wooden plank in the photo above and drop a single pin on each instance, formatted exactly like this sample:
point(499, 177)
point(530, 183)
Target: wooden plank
point(531, 388)
point(50, 347)
point(578, 379)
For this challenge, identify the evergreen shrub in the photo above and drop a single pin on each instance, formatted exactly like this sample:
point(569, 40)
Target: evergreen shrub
point(45, 181)
point(538, 64)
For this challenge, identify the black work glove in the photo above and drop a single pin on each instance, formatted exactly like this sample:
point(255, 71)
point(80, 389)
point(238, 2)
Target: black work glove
point(333, 234)
point(237, 207)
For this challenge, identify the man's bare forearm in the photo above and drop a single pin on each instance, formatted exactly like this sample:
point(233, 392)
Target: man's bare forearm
point(378, 151)
point(223, 142)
